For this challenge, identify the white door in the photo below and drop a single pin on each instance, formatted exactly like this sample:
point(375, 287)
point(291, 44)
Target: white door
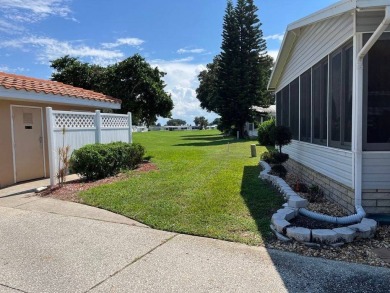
point(28, 143)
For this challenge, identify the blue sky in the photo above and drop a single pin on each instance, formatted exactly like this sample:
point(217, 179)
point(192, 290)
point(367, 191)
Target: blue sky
point(178, 36)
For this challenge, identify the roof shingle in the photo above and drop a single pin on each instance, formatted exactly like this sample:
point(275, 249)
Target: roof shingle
point(20, 82)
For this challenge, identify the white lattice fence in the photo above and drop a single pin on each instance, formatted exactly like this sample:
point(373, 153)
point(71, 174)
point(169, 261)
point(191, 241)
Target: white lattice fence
point(76, 129)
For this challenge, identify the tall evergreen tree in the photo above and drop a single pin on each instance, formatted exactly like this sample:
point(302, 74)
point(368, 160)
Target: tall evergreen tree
point(228, 73)
point(243, 68)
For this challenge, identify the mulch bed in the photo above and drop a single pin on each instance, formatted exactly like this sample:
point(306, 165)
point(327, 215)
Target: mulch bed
point(70, 190)
point(363, 251)
point(302, 221)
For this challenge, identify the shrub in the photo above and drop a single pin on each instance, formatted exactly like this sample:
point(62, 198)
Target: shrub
point(274, 157)
point(279, 170)
point(267, 157)
point(315, 194)
point(282, 136)
point(265, 132)
point(96, 161)
point(279, 158)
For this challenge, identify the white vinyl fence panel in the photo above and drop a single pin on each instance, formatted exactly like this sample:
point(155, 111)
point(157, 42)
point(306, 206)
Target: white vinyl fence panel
point(76, 129)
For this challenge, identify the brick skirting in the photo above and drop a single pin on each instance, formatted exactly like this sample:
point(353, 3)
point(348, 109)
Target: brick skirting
point(374, 201)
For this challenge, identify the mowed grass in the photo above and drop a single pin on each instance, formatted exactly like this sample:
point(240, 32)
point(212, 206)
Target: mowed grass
point(206, 185)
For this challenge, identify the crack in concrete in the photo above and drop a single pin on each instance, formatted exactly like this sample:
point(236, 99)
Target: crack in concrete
point(9, 287)
point(132, 262)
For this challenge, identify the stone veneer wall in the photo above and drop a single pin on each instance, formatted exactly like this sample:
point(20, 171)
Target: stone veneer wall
point(376, 201)
point(335, 191)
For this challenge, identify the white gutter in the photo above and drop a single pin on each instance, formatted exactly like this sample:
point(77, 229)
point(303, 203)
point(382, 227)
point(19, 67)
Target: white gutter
point(359, 109)
point(376, 35)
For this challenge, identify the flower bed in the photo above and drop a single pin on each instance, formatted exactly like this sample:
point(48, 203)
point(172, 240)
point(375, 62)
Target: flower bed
point(286, 231)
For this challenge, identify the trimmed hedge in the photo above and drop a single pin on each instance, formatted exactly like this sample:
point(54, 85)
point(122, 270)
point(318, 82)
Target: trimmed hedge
point(97, 161)
point(274, 157)
point(265, 133)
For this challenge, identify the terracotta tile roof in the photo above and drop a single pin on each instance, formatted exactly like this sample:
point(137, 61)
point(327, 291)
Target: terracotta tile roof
point(20, 82)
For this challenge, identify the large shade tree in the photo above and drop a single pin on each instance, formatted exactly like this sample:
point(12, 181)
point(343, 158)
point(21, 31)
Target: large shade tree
point(133, 80)
point(237, 78)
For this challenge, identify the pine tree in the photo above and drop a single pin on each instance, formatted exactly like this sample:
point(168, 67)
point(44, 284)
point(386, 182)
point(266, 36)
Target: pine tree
point(228, 74)
point(244, 67)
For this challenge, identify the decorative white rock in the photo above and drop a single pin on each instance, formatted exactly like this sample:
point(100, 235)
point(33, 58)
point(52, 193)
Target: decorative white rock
point(370, 223)
point(299, 234)
point(288, 213)
point(279, 224)
point(297, 202)
point(281, 237)
point(324, 236)
point(362, 231)
point(346, 234)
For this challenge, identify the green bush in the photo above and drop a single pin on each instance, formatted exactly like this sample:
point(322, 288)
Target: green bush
point(265, 132)
point(267, 157)
point(279, 170)
point(282, 136)
point(274, 157)
point(96, 161)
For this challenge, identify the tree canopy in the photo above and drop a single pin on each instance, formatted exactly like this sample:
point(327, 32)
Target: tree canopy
point(176, 122)
point(237, 78)
point(201, 122)
point(133, 80)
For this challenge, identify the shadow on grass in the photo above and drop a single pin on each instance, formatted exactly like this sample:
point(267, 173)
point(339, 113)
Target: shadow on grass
point(261, 199)
point(201, 135)
point(207, 140)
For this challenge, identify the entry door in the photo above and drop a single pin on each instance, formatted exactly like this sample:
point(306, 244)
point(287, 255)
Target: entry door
point(28, 143)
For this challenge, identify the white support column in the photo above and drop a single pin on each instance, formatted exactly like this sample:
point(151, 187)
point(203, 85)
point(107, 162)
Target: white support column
point(130, 125)
point(51, 145)
point(98, 125)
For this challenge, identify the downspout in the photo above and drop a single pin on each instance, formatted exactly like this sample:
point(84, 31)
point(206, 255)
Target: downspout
point(359, 88)
point(358, 150)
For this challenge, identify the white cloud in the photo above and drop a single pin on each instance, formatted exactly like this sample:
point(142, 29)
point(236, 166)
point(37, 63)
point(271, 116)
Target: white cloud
point(48, 49)
point(34, 10)
point(273, 54)
point(182, 81)
point(133, 42)
point(15, 15)
point(278, 37)
point(191, 51)
point(5, 68)
point(9, 28)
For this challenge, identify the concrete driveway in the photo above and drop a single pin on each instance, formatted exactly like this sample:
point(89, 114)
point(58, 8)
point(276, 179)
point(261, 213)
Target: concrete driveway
point(48, 245)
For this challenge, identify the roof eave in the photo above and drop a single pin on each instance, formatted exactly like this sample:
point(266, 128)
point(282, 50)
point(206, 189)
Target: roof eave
point(328, 12)
point(23, 95)
point(293, 30)
point(288, 42)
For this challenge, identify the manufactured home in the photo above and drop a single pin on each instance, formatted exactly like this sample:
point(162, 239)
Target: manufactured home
point(23, 134)
point(332, 86)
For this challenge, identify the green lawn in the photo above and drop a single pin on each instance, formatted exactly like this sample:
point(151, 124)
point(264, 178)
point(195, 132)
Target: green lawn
point(206, 185)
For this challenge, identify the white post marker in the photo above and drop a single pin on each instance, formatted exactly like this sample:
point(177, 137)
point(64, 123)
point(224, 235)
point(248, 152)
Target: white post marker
point(98, 125)
point(51, 145)
point(130, 125)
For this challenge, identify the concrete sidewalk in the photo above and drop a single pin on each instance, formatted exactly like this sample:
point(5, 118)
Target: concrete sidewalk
point(47, 245)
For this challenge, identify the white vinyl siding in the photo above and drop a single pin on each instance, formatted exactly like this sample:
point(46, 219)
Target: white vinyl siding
point(314, 43)
point(369, 21)
point(334, 163)
point(376, 170)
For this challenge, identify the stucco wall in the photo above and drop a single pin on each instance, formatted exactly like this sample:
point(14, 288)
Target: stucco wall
point(6, 157)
